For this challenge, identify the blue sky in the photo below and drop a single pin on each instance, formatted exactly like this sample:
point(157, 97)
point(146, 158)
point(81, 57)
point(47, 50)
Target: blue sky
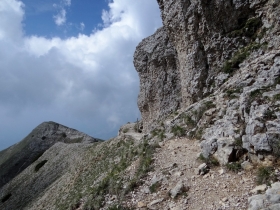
point(83, 16)
point(70, 61)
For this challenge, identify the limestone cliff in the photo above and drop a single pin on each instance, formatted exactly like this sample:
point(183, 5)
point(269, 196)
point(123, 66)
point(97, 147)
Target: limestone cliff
point(160, 88)
point(227, 64)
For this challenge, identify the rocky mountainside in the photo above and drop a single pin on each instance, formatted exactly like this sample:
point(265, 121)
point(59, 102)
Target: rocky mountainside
point(210, 129)
point(16, 158)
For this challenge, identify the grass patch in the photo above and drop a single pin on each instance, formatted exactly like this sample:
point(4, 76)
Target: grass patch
point(159, 133)
point(269, 115)
point(231, 65)
point(210, 161)
point(154, 187)
point(178, 131)
point(198, 134)
point(125, 130)
point(265, 175)
point(231, 93)
point(277, 81)
point(40, 165)
point(234, 166)
point(187, 118)
point(248, 29)
point(238, 142)
point(275, 145)
point(255, 95)
point(276, 97)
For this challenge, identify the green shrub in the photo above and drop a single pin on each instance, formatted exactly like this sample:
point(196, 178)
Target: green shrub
point(231, 92)
point(265, 175)
point(125, 130)
point(277, 81)
point(276, 97)
point(269, 115)
point(233, 166)
point(189, 121)
point(154, 187)
point(159, 133)
point(40, 165)
point(198, 134)
point(238, 142)
point(178, 131)
point(238, 57)
point(210, 161)
point(249, 28)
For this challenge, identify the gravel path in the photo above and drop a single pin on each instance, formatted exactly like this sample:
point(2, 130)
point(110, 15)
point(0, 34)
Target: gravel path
point(175, 163)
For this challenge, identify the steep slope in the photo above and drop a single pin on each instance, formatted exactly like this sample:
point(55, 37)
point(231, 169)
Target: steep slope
point(16, 158)
point(79, 175)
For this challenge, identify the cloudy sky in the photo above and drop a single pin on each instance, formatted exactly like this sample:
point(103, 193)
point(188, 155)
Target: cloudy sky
point(70, 61)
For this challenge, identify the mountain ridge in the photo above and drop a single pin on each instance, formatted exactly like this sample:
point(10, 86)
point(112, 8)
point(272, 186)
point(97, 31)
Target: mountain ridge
point(210, 105)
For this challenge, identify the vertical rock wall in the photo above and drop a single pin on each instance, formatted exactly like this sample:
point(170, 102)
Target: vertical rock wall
point(200, 31)
point(186, 60)
point(156, 62)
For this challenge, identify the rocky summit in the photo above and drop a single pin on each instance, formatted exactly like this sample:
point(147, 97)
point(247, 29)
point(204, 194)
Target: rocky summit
point(209, 137)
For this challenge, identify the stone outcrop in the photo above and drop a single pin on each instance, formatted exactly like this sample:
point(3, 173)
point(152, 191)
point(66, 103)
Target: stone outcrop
point(16, 158)
point(156, 61)
point(270, 200)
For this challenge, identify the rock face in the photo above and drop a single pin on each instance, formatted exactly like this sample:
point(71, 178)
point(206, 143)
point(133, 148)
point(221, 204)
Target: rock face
point(201, 32)
point(227, 56)
point(156, 61)
point(19, 156)
point(197, 38)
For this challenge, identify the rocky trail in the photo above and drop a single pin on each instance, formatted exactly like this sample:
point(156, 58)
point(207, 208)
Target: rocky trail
point(175, 182)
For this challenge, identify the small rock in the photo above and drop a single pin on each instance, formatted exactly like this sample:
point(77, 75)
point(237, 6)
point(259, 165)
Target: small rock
point(141, 204)
point(247, 166)
point(161, 144)
point(155, 202)
point(256, 202)
point(178, 173)
point(221, 171)
point(225, 199)
point(258, 189)
point(179, 188)
point(203, 168)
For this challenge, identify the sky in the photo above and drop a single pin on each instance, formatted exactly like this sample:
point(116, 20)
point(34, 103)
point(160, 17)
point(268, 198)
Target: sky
point(70, 61)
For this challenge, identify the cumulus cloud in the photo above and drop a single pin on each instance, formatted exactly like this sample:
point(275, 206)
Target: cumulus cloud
point(85, 82)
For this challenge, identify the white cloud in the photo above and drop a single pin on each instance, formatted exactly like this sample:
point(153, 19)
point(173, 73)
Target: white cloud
point(86, 82)
point(60, 18)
